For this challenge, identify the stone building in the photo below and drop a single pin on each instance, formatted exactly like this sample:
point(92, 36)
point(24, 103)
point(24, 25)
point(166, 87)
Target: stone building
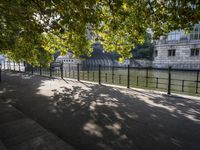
point(68, 59)
point(178, 50)
point(99, 56)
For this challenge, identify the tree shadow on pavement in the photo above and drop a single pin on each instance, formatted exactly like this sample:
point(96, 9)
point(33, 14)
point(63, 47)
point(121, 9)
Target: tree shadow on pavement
point(97, 117)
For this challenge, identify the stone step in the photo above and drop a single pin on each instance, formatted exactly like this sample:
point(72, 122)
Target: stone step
point(17, 132)
point(2, 146)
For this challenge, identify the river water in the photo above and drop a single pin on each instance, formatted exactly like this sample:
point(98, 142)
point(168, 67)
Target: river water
point(184, 82)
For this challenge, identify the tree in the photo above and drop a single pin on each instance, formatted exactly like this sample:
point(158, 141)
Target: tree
point(20, 33)
point(33, 30)
point(145, 50)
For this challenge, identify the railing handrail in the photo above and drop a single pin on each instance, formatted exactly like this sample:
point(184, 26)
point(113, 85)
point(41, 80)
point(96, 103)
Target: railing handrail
point(112, 76)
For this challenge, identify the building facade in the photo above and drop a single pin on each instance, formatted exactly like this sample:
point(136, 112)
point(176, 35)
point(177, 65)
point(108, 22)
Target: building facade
point(68, 59)
point(98, 56)
point(178, 50)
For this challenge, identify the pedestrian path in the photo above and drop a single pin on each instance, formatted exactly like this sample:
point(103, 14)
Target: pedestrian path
point(17, 132)
point(93, 117)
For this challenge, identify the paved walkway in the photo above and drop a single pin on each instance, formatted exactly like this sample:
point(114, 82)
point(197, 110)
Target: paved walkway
point(17, 132)
point(93, 117)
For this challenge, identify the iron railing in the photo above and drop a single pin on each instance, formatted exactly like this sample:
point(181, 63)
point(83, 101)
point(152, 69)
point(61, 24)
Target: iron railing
point(145, 78)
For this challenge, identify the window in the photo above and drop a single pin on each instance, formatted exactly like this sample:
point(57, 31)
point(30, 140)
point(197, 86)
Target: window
point(174, 35)
point(155, 53)
point(195, 33)
point(171, 52)
point(195, 52)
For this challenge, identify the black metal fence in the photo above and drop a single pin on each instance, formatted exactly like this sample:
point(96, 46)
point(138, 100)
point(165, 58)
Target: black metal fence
point(170, 80)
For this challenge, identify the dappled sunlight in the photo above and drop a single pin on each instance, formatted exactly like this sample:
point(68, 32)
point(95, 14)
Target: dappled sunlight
point(102, 117)
point(115, 128)
point(176, 105)
point(118, 116)
point(131, 115)
point(191, 114)
point(51, 88)
point(97, 103)
point(152, 103)
point(93, 129)
point(4, 90)
point(192, 117)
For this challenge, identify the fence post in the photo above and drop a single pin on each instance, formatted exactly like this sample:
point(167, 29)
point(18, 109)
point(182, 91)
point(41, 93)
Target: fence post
point(182, 85)
point(32, 69)
point(69, 70)
point(197, 82)
point(88, 74)
point(78, 73)
point(113, 74)
point(169, 80)
point(128, 77)
point(156, 82)
point(8, 68)
point(14, 65)
point(40, 69)
point(50, 69)
point(61, 70)
point(137, 81)
point(24, 64)
point(99, 74)
point(120, 79)
point(25, 67)
point(147, 76)
point(19, 67)
point(0, 72)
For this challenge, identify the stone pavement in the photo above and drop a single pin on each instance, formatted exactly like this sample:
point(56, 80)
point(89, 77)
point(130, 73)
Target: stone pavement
point(17, 132)
point(93, 117)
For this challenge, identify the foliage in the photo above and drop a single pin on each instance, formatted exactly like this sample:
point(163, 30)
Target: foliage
point(144, 51)
point(33, 30)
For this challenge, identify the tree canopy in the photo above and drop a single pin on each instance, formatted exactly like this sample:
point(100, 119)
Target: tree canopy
point(144, 51)
point(32, 30)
